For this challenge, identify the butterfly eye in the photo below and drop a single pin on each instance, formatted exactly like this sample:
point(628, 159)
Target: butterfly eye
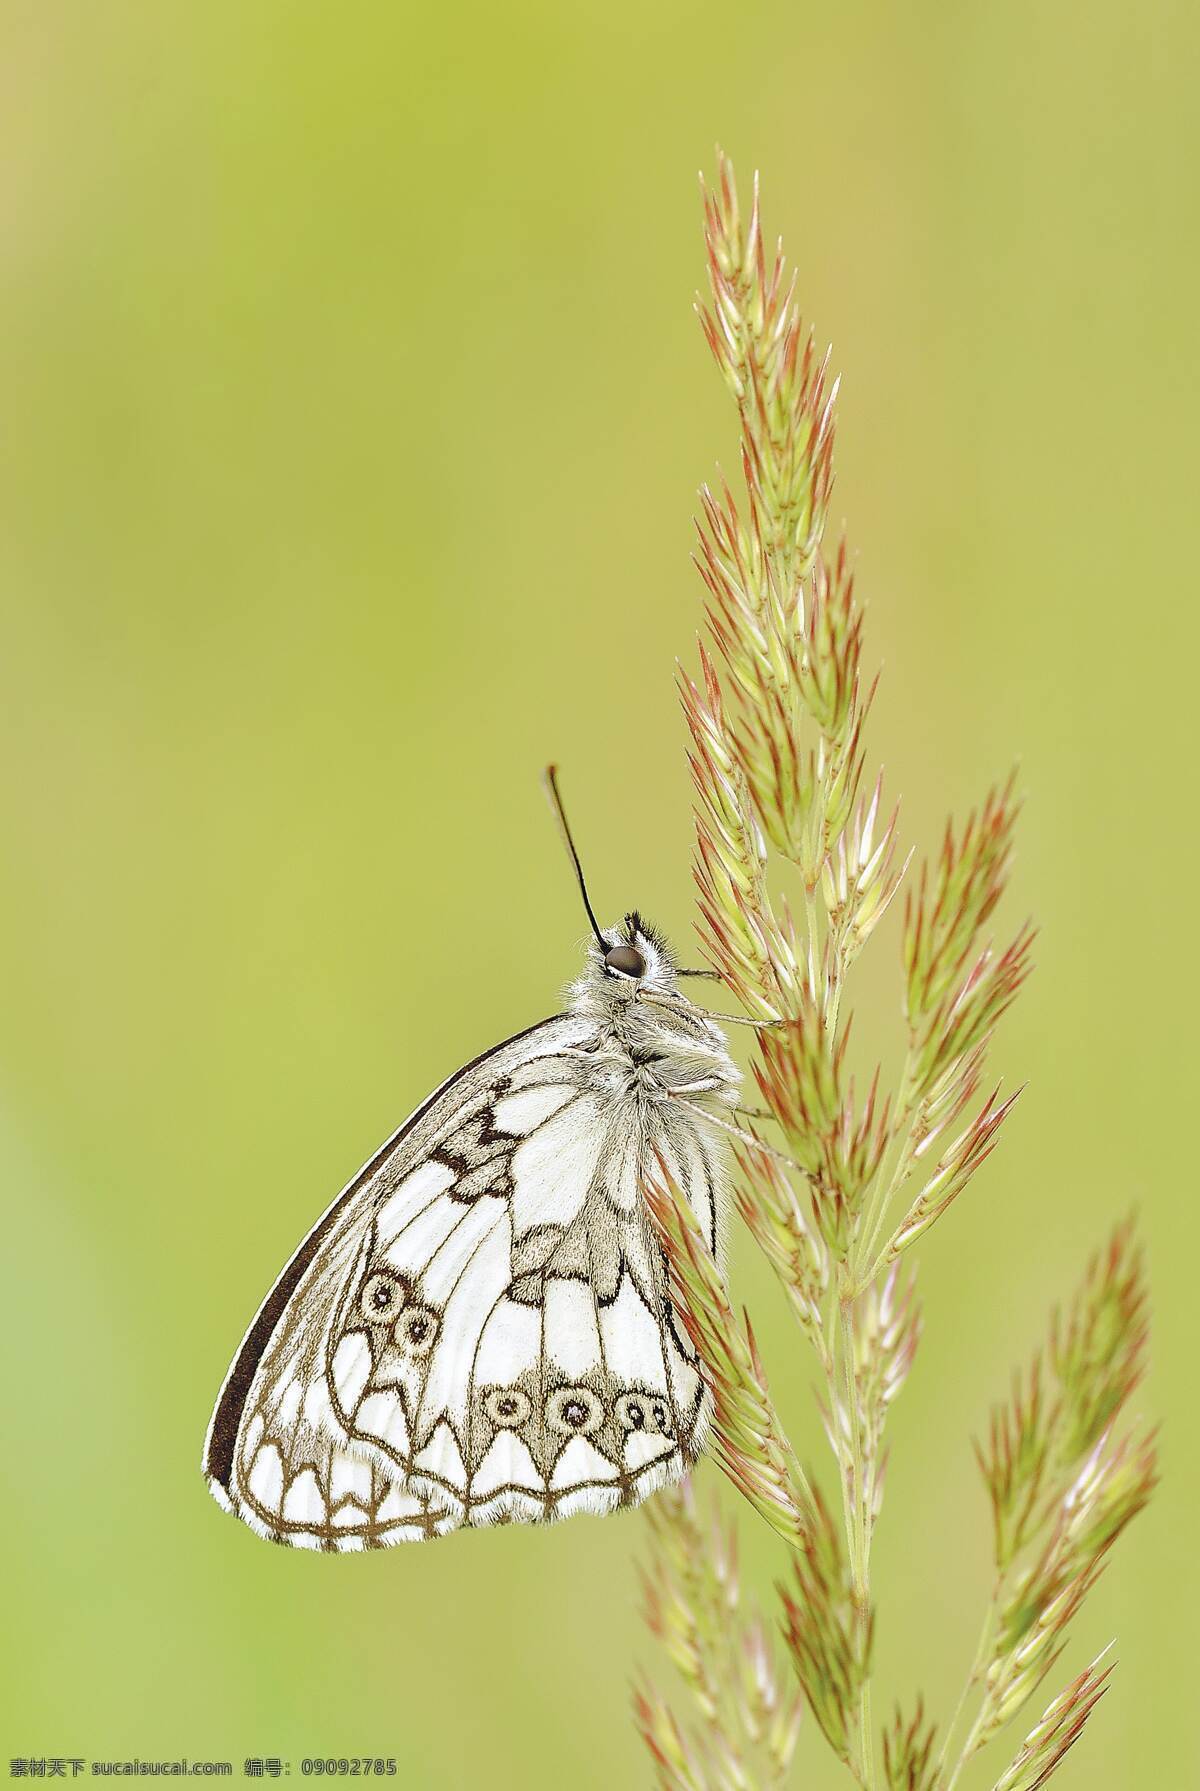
point(626, 959)
point(574, 1411)
point(507, 1407)
point(417, 1331)
point(382, 1297)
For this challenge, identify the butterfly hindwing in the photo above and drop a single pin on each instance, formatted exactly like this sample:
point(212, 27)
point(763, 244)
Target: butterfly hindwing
point(550, 1377)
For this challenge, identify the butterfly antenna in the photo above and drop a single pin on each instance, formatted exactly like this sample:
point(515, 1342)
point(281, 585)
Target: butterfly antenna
point(550, 780)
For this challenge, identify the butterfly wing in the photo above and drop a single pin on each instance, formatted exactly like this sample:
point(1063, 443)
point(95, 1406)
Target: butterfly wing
point(477, 1330)
point(278, 1452)
point(535, 1368)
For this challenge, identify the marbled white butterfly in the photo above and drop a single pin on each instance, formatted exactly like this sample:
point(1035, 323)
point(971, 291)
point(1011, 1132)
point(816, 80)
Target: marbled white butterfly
point(478, 1330)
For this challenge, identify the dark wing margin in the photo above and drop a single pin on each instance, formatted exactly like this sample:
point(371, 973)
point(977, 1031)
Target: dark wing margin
point(221, 1442)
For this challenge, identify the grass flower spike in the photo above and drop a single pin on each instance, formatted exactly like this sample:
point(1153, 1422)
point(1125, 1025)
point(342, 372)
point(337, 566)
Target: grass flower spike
point(798, 858)
point(746, 1712)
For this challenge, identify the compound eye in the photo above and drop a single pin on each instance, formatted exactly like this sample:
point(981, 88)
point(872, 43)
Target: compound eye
point(627, 959)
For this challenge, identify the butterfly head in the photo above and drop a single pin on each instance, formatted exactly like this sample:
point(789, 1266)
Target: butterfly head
point(630, 972)
point(631, 969)
point(631, 986)
point(626, 964)
point(635, 956)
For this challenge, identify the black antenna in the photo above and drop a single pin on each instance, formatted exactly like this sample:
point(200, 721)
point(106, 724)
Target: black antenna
point(550, 780)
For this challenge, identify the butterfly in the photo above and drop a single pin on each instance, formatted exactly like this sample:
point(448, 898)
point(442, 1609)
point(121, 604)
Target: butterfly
point(478, 1330)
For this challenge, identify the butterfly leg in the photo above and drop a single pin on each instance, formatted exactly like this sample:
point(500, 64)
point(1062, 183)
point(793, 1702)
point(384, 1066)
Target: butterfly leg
point(759, 1144)
point(703, 1085)
point(737, 1020)
point(680, 1003)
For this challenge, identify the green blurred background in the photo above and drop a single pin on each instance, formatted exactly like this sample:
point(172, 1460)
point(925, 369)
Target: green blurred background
point(352, 416)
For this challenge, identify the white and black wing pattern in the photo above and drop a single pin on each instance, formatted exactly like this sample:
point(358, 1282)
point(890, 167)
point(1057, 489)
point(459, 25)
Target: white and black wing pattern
point(548, 1375)
point(478, 1329)
point(278, 1452)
